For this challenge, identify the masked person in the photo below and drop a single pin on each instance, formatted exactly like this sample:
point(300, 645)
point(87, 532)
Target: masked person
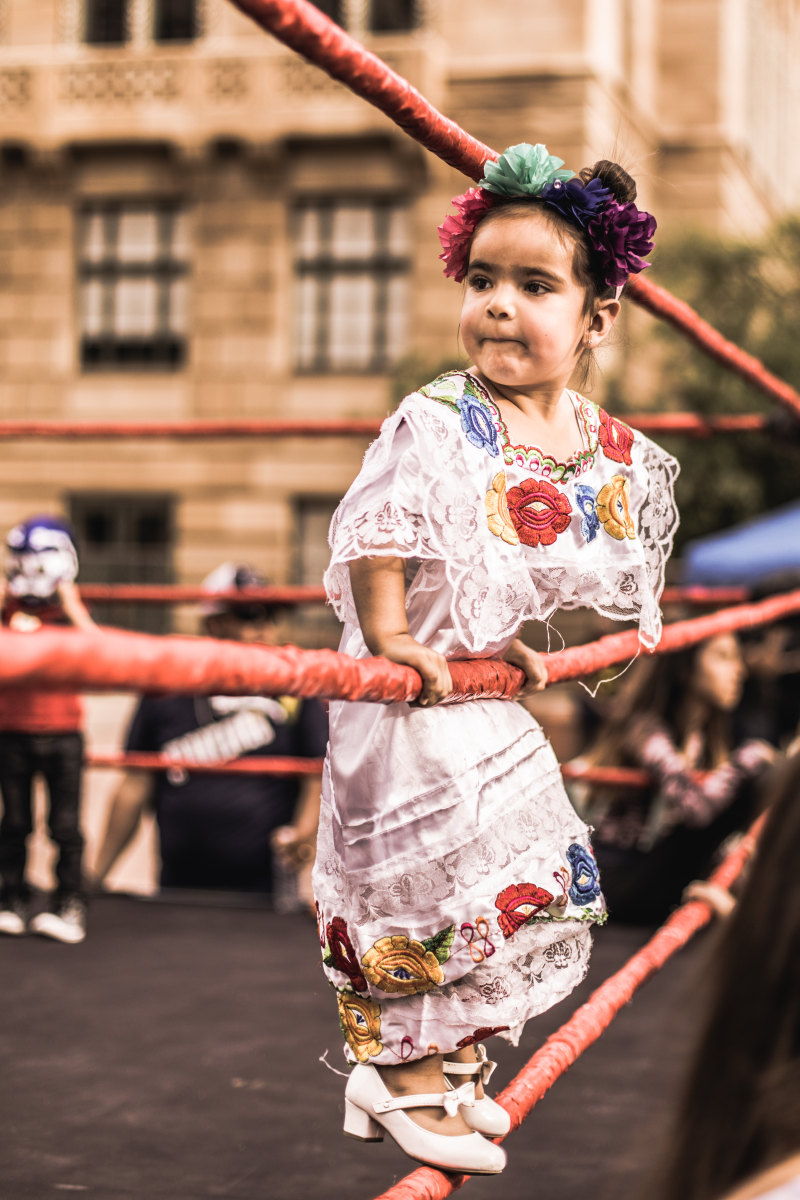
point(41, 734)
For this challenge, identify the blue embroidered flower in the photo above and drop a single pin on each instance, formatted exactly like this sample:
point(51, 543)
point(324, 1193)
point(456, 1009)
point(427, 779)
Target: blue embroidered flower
point(477, 424)
point(587, 503)
point(585, 886)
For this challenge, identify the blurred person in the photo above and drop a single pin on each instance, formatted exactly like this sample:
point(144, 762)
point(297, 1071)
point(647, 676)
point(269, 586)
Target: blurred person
point(218, 831)
point(673, 720)
point(770, 707)
point(736, 1131)
point(41, 734)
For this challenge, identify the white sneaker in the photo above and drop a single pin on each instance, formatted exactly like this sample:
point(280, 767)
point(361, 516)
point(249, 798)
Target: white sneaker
point(68, 924)
point(13, 919)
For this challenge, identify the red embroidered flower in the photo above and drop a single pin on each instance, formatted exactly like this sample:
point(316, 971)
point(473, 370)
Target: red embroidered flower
point(343, 954)
point(539, 512)
point(518, 903)
point(485, 1031)
point(615, 437)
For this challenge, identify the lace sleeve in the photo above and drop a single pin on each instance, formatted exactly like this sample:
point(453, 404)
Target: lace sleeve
point(657, 521)
point(381, 513)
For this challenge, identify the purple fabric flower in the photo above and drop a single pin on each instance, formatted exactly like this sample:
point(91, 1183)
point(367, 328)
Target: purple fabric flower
point(620, 236)
point(576, 202)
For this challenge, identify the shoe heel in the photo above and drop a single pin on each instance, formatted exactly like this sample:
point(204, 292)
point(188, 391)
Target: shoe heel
point(360, 1125)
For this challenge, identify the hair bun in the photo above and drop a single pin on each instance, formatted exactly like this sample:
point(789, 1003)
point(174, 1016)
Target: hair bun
point(612, 176)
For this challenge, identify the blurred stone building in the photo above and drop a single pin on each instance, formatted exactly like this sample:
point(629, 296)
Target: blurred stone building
point(194, 223)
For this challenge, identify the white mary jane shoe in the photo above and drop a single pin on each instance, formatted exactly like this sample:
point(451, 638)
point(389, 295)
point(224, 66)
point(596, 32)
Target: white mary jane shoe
point(370, 1108)
point(485, 1116)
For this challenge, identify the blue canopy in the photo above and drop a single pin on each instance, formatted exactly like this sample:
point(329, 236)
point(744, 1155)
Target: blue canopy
point(746, 554)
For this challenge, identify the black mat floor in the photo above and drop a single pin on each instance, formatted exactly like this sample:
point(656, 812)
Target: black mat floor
point(175, 1056)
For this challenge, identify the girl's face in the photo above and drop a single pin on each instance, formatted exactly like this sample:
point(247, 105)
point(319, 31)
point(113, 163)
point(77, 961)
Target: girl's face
point(523, 318)
point(719, 672)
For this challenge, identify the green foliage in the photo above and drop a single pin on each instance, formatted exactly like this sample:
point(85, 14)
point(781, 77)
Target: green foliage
point(750, 292)
point(414, 372)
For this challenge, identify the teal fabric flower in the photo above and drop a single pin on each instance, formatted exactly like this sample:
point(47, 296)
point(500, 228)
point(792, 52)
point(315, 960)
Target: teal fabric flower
point(523, 170)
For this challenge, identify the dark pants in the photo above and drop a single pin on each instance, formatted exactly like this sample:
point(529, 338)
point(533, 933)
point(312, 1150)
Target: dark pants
point(643, 888)
point(58, 757)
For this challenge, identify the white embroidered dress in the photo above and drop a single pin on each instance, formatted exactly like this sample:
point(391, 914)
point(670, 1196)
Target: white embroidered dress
point(455, 884)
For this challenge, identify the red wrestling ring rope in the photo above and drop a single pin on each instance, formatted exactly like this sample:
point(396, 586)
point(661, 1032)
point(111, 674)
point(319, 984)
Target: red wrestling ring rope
point(659, 423)
point(307, 31)
point(111, 660)
point(155, 593)
point(586, 1025)
point(146, 761)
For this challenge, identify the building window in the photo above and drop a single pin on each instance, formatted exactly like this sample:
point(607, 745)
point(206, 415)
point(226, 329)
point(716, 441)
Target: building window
point(351, 280)
point(132, 265)
point(313, 624)
point(105, 22)
point(126, 538)
point(392, 16)
point(175, 21)
point(331, 8)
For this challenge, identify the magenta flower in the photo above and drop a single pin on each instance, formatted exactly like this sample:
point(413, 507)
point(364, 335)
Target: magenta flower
point(620, 236)
point(456, 232)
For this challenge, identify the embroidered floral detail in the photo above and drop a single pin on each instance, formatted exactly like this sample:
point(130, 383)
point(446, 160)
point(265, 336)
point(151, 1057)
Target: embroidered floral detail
point(497, 515)
point(360, 1020)
point(323, 941)
point(587, 502)
point(477, 938)
point(341, 954)
point(539, 512)
point(518, 903)
point(440, 943)
point(585, 886)
point(613, 508)
point(615, 437)
point(532, 459)
point(485, 1031)
point(477, 424)
point(559, 955)
point(398, 964)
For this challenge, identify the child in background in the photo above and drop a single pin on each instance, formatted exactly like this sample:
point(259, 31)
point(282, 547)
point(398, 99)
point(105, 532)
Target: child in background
point(455, 884)
point(40, 734)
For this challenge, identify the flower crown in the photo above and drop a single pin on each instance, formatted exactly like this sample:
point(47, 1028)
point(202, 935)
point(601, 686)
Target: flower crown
point(619, 235)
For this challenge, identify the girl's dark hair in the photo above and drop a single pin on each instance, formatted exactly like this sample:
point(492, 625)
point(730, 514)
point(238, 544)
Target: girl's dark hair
point(740, 1110)
point(659, 686)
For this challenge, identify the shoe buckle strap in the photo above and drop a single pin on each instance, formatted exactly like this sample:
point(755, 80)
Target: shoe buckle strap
point(483, 1066)
point(449, 1101)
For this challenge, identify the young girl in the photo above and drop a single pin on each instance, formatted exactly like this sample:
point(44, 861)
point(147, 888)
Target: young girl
point(673, 719)
point(455, 884)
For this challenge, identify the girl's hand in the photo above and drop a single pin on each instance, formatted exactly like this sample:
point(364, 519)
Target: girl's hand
point(520, 655)
point(432, 666)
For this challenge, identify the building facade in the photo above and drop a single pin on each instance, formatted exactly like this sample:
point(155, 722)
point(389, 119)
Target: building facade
point(195, 223)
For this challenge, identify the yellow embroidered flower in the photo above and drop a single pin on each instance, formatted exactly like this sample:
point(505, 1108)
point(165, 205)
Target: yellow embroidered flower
point(498, 516)
point(360, 1020)
point(613, 508)
point(398, 964)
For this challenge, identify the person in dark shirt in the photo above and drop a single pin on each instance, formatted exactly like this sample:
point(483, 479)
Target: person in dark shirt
point(217, 831)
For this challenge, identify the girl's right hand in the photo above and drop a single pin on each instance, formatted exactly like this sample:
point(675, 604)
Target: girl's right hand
point(432, 666)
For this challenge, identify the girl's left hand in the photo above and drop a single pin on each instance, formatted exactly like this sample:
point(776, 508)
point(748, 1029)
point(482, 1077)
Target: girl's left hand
point(520, 655)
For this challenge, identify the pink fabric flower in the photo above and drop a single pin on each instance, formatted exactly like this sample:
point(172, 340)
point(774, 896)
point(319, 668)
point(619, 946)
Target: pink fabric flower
point(456, 232)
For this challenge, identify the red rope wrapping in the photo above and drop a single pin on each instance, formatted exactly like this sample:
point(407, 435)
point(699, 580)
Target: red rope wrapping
point(659, 423)
point(167, 593)
point(260, 765)
point(112, 660)
point(303, 27)
point(147, 761)
point(586, 1025)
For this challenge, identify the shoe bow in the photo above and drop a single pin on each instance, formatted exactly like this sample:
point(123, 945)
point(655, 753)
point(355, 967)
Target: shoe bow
point(452, 1101)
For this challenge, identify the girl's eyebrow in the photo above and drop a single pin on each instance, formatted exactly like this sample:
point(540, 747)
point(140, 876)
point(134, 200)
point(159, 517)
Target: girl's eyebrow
point(540, 272)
